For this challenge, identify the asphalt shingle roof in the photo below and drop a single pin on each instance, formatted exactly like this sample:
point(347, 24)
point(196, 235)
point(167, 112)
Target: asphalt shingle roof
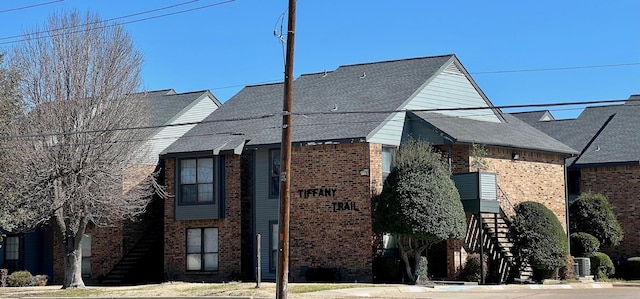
point(512, 133)
point(166, 104)
point(603, 134)
point(253, 115)
point(255, 111)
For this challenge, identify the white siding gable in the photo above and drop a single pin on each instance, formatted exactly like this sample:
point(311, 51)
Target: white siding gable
point(452, 89)
point(449, 89)
point(163, 137)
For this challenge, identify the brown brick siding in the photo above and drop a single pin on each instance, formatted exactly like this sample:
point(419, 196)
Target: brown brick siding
point(321, 234)
point(534, 176)
point(229, 229)
point(621, 185)
point(107, 243)
point(106, 251)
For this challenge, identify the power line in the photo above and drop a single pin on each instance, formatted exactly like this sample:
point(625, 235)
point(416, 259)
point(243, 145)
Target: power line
point(557, 68)
point(306, 114)
point(30, 6)
point(102, 21)
point(472, 73)
point(124, 23)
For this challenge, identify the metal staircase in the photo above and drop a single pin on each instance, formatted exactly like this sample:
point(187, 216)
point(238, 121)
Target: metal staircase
point(503, 266)
point(489, 233)
point(142, 262)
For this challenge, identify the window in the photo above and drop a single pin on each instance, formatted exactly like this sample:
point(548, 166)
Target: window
point(85, 247)
point(388, 157)
point(273, 245)
point(573, 181)
point(202, 249)
point(12, 252)
point(196, 181)
point(274, 173)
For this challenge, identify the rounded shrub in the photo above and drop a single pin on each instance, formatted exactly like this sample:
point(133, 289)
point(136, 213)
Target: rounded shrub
point(591, 213)
point(539, 239)
point(19, 279)
point(633, 270)
point(582, 244)
point(601, 266)
point(471, 269)
point(39, 280)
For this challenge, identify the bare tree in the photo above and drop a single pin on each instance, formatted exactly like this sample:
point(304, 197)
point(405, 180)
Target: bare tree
point(67, 154)
point(9, 106)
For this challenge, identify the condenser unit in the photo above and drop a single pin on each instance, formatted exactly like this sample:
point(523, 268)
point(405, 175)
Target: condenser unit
point(583, 266)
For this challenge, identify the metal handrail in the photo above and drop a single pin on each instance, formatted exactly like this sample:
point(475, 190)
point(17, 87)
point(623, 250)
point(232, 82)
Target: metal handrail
point(509, 204)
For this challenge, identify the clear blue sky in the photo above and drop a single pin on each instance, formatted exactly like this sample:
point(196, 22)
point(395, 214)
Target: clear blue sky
point(224, 47)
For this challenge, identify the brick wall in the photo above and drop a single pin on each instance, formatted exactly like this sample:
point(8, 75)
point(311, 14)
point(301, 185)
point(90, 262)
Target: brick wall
point(534, 176)
point(107, 243)
point(333, 230)
point(229, 229)
point(106, 251)
point(621, 185)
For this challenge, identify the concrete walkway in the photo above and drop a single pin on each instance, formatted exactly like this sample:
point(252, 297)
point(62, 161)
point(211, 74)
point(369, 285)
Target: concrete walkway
point(407, 291)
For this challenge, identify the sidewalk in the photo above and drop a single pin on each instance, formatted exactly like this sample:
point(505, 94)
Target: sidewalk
point(407, 291)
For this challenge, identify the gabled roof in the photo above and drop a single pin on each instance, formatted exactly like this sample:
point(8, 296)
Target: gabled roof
point(255, 112)
point(349, 104)
point(604, 135)
point(166, 104)
point(513, 133)
point(533, 116)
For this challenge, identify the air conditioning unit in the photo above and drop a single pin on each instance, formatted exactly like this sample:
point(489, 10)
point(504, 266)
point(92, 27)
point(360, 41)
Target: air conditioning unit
point(583, 266)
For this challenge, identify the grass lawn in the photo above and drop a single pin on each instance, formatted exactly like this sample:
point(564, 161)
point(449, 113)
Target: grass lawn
point(268, 290)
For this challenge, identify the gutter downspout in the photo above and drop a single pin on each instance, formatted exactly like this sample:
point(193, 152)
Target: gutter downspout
point(566, 203)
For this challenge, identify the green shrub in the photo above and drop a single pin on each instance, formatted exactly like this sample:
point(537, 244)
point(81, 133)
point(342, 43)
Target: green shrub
point(582, 244)
point(321, 274)
point(567, 271)
point(19, 279)
point(633, 267)
point(422, 274)
point(538, 238)
point(591, 213)
point(601, 266)
point(471, 269)
point(39, 280)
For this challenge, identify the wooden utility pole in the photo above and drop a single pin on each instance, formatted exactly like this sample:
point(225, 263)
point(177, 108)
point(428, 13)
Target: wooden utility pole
point(285, 174)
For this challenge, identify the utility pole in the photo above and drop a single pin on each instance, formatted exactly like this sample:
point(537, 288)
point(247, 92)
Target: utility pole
point(285, 174)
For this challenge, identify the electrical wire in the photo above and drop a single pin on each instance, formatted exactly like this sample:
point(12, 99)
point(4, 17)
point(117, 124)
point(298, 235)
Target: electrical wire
point(556, 68)
point(311, 113)
point(30, 6)
point(102, 21)
point(122, 23)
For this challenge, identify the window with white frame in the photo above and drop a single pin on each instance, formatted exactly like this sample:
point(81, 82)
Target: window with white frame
point(12, 252)
point(196, 181)
point(274, 173)
point(273, 245)
point(85, 247)
point(202, 249)
point(388, 158)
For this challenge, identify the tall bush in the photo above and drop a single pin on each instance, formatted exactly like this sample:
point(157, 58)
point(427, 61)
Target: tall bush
point(539, 238)
point(592, 213)
point(419, 204)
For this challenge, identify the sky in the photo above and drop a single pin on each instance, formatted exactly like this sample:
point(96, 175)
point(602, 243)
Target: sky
point(518, 52)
